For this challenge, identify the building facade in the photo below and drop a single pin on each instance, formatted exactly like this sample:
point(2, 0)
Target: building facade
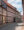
point(8, 13)
point(18, 17)
point(3, 8)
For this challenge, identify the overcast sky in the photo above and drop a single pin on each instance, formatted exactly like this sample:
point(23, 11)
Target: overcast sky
point(17, 4)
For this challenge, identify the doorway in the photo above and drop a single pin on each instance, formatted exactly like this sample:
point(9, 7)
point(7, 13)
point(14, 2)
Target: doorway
point(4, 18)
point(14, 20)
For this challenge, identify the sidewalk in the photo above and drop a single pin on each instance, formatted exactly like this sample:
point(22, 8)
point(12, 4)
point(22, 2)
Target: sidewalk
point(19, 27)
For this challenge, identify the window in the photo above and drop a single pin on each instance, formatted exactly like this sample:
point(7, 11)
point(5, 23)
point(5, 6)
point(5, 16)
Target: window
point(4, 12)
point(0, 2)
point(4, 4)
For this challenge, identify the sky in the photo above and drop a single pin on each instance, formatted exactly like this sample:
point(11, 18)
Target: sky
point(17, 4)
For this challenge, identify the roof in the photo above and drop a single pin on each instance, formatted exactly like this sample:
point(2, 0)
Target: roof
point(10, 5)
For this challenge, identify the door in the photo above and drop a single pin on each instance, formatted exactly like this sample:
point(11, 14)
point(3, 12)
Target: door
point(4, 19)
point(14, 19)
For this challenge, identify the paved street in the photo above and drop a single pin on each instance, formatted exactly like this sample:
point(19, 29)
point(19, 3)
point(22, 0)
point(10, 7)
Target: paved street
point(4, 27)
point(12, 26)
point(9, 26)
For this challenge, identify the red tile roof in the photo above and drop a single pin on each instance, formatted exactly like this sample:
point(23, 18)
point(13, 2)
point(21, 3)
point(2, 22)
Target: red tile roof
point(9, 5)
